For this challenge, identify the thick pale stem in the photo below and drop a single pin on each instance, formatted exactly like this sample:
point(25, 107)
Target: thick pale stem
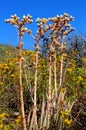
point(49, 85)
point(21, 87)
point(50, 67)
point(35, 82)
point(61, 65)
point(49, 105)
point(34, 116)
point(61, 71)
point(55, 81)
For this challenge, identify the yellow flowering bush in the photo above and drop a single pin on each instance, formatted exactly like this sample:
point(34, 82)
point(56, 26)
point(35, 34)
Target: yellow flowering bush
point(68, 121)
point(65, 116)
point(2, 117)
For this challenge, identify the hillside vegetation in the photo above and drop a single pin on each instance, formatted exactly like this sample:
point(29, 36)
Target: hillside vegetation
point(75, 84)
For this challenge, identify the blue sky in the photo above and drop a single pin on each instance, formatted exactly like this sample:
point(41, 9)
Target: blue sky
point(38, 8)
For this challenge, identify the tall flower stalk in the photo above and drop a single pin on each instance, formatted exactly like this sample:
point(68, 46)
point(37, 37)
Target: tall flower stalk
point(34, 116)
point(49, 104)
point(59, 31)
point(61, 64)
point(14, 20)
point(40, 34)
